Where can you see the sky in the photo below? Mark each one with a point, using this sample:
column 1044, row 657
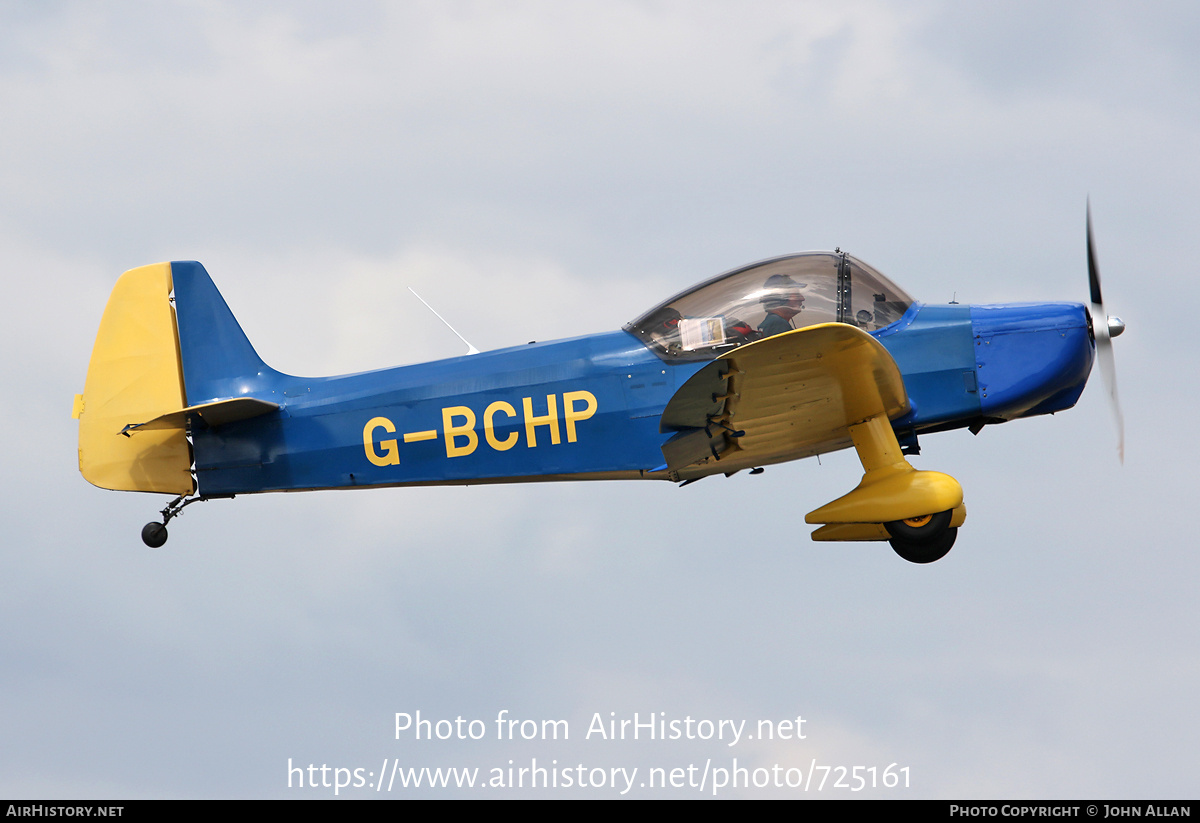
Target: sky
column 538, row 170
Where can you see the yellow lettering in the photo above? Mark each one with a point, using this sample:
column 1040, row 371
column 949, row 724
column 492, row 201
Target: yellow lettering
column 391, row 451
column 489, row 426
column 458, row 427
column 453, row 432
column 571, row 415
column 549, row 419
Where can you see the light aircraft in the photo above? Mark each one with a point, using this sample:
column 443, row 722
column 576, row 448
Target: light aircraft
column 779, row 360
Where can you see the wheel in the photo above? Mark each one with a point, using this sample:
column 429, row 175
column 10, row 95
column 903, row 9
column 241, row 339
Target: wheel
column 919, row 529
column 925, row 551
column 154, row 534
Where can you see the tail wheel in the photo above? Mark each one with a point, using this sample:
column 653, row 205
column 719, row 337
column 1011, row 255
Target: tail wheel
column 154, row 535
column 922, row 539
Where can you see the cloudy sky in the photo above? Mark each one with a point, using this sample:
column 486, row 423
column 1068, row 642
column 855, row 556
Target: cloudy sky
column 540, row 170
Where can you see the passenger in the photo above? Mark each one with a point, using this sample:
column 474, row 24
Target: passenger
column 783, row 301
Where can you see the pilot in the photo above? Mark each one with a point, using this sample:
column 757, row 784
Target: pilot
column 783, row 301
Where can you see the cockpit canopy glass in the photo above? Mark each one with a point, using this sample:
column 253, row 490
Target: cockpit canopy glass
column 769, row 298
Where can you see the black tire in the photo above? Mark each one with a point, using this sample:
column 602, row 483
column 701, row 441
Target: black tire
column 925, row 551
column 154, row 535
column 919, row 529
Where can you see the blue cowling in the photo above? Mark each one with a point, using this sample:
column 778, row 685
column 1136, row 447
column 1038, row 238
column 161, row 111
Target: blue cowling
column 1031, row 358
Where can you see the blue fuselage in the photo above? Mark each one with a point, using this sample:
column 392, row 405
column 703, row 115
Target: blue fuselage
column 590, row 407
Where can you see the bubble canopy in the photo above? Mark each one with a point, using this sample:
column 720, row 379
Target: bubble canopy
column 768, row 298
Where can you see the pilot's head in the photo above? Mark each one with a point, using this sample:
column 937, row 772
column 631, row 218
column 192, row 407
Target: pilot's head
column 783, row 296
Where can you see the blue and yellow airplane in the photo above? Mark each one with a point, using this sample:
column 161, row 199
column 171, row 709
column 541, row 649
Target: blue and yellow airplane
column 786, row 358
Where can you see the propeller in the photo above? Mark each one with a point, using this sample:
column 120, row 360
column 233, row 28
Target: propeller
column 1105, row 328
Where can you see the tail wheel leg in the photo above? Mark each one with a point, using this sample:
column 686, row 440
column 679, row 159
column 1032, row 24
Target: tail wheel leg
column 154, row 534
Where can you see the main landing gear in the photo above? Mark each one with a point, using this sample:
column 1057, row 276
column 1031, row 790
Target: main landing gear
column 922, row 539
column 154, row 535
column 891, row 488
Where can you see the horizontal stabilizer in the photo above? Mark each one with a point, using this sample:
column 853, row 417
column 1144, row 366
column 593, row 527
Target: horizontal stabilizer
column 216, row 413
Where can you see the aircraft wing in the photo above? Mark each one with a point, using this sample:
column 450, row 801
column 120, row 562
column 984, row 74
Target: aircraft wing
column 788, row 396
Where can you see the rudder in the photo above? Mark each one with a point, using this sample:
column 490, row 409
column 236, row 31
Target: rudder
column 135, row 374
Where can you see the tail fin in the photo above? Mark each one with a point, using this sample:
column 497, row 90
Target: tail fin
column 218, row 360
column 154, row 368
